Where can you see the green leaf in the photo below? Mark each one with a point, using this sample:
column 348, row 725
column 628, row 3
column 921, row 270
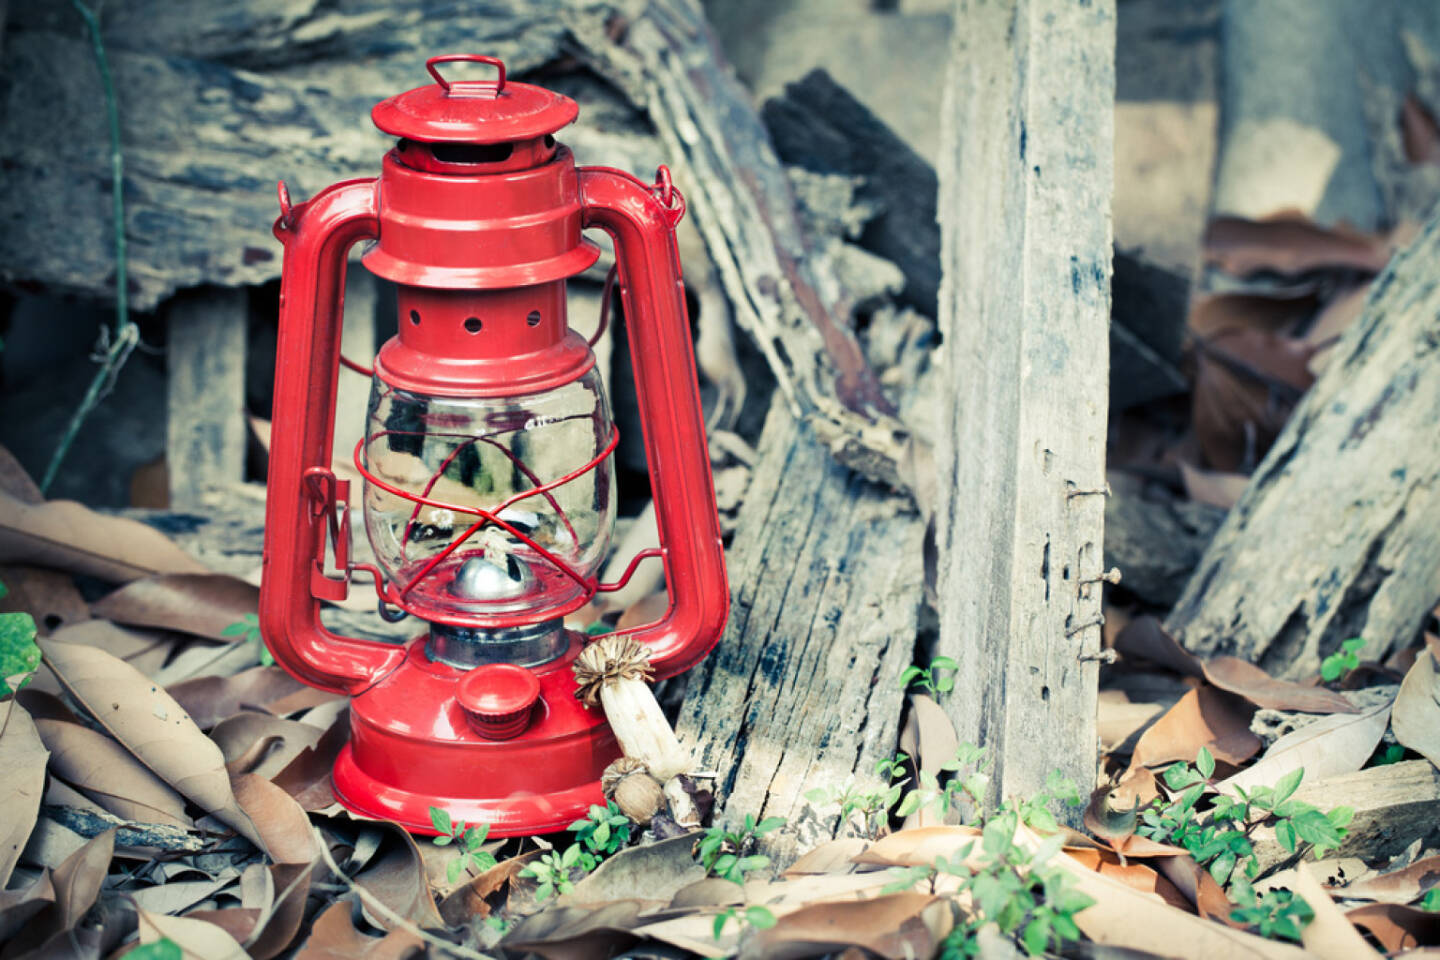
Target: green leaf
column 1431, row 901
column 484, row 861
column 571, row 856
column 1331, row 668
column 1285, row 833
column 1288, row 785
column 818, row 796
column 440, row 820
column 545, row 891
column 944, row 684
column 236, row 629
column 725, row 863
column 754, row 862
column 944, row 663
column 1205, row 763
column 1353, row 645
column 760, row 917
column 162, row 949
column 1036, row 936
column 18, row 652
column 719, row 926
column 768, row 824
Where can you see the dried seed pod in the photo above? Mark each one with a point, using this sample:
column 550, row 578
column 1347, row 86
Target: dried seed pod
column 612, row 671
column 639, row 796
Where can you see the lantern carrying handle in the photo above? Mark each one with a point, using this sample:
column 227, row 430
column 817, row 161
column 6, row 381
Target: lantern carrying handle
column 488, row 89
column 303, row 495
column 641, row 219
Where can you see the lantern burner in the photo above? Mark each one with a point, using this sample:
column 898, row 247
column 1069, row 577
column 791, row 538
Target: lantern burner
column 481, row 579
column 468, row 647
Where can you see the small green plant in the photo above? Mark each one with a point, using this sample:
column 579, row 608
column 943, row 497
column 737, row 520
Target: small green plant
column 1431, row 901
column 936, row 678
column 555, row 871
column 873, row 806
column 1342, row 661
column 604, row 831
column 893, row 768
column 1223, row 844
column 249, row 628
column 754, row 916
column 725, row 853
column 968, row 780
column 1024, row 894
column 1392, row 753
column 501, row 925
column 1276, row 915
column 467, row 838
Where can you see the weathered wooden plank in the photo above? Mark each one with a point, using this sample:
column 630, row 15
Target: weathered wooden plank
column 205, row 357
column 352, row 390
column 803, row 689
column 1024, row 307
column 1334, row 536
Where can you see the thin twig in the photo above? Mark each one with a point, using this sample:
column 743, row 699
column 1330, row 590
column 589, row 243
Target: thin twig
column 374, row 902
column 113, row 349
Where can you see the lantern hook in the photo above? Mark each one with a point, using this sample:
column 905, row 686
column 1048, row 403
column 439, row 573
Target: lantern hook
column 488, row 89
column 286, row 208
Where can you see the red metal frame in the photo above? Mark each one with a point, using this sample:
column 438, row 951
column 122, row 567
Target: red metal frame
column 480, row 251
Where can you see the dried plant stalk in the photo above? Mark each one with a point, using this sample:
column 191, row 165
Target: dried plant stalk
column 612, row 671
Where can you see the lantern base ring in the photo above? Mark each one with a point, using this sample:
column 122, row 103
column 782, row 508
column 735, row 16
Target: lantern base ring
column 525, row 646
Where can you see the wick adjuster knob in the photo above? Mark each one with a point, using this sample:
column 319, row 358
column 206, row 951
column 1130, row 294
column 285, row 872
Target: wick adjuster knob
column 498, row 699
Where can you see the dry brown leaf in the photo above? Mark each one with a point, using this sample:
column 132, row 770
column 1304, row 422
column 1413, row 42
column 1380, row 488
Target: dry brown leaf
column 307, row 777
column 22, row 758
column 1325, row 748
column 935, row 739
column 1144, row 638
column 1416, row 718
column 17, row 907
column 1419, row 132
column 1249, row 373
column 832, row 856
column 1330, row 936
column 919, row 846
column 1215, row 487
column 49, row 596
column 1290, row 243
column 212, row 699
column 1398, row 886
column 15, row 481
column 1341, row 310
column 109, row 775
column 197, row 939
column 261, row 744
column 396, row 876
column 1397, row 926
column 1198, row 887
column 280, row 924
column 334, row 937
column 468, row 902
column 151, row 725
column 1119, row 720
column 1123, row 917
column 1204, row 717
column 76, row 883
column 64, row 535
column 1136, row 876
column 896, row 926
column 145, row 650
column 1249, row 681
column 202, row 604
column 284, row 828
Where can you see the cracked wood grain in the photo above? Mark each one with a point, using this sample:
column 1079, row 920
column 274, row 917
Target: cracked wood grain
column 803, row 689
column 1024, row 314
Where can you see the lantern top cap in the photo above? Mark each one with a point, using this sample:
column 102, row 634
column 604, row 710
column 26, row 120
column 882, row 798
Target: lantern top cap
column 473, row 111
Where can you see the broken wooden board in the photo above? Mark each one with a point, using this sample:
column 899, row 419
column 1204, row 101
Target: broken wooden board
column 804, row 688
column 1024, row 316
column 1334, row 536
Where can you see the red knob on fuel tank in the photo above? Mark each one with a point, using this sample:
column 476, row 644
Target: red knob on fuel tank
column 498, row 699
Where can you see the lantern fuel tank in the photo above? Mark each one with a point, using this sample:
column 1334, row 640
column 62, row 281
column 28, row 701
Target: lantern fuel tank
column 489, row 494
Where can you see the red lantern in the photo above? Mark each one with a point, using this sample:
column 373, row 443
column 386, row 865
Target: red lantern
column 489, row 492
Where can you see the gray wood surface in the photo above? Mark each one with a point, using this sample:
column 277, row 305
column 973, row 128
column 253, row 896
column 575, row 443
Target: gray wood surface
column 1024, row 310
column 803, row 690
column 1335, row 535
column 205, row 358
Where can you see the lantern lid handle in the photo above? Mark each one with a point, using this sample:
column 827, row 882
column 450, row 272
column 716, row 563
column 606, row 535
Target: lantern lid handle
column 488, row 89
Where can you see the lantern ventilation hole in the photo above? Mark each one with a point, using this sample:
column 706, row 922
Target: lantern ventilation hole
column 415, row 317
column 533, row 318
column 472, row 324
column 471, row 152
column 549, row 141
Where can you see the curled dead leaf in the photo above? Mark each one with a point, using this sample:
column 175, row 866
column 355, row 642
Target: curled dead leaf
column 151, row 725
column 203, row 604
